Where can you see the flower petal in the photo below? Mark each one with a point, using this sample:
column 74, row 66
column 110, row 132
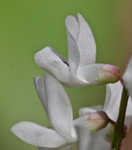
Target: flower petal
column 112, row 100
column 127, row 77
column 92, row 140
column 84, row 138
column 86, row 43
column 128, row 119
column 81, row 43
column 59, row 108
column 86, row 110
column 37, row 135
column 49, row 60
column 98, row 141
column 72, row 28
column 39, row 84
column 89, row 73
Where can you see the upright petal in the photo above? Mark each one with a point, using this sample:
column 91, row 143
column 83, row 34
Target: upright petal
column 127, row 77
column 59, row 109
column 128, row 119
column 92, row 140
column 72, row 28
column 38, row 135
column 49, row 60
column 84, row 138
column 86, row 43
column 112, row 100
column 81, row 43
column 98, row 140
column 39, row 84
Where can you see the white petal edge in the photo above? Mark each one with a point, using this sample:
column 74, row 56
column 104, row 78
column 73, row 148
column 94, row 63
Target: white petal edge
column 127, row 77
column 84, row 138
column 37, row 135
column 72, row 28
column 112, row 100
column 86, row 43
column 39, row 84
column 86, row 110
column 59, row 109
column 49, row 60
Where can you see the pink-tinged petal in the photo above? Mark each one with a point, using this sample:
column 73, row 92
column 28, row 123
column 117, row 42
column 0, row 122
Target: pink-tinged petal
column 108, row 73
column 98, row 74
column 49, row 60
column 59, row 109
column 127, row 77
column 37, row 135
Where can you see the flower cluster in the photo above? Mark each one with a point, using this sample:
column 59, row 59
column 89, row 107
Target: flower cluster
column 94, row 128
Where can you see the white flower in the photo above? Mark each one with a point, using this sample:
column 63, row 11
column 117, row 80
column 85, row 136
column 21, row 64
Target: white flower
column 111, row 109
column 112, row 103
column 81, row 68
column 59, row 111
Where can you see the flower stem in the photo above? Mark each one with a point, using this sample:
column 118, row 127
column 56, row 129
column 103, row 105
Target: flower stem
column 119, row 127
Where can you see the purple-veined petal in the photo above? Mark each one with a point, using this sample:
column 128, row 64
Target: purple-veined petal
column 39, row 84
column 49, row 60
column 59, row 109
column 127, row 77
column 37, row 135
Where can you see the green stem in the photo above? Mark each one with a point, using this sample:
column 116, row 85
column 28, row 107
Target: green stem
column 119, row 127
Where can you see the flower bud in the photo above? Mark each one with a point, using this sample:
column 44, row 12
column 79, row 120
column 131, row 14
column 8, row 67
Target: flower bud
column 108, row 74
column 97, row 120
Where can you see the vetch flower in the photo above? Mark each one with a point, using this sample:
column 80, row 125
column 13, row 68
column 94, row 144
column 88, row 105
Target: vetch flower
column 112, row 103
column 59, row 111
column 111, row 109
column 81, row 68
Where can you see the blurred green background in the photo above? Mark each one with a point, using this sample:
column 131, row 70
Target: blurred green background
column 29, row 25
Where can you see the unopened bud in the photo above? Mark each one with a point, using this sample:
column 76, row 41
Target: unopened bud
column 108, row 74
column 97, row 120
